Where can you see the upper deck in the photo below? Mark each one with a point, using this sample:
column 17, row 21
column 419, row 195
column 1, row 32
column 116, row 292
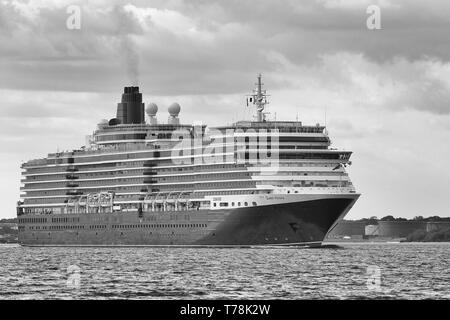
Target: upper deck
column 281, row 126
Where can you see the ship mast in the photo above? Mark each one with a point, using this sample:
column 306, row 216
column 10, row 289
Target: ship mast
column 259, row 99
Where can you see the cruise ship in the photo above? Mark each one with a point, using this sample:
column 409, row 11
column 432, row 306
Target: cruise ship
column 141, row 182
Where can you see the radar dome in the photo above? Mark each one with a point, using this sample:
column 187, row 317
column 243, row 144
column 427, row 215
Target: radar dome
column 151, row 109
column 174, row 109
column 102, row 123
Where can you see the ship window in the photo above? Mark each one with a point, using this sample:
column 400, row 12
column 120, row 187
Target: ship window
column 232, row 204
column 239, row 204
column 246, row 203
column 215, row 204
column 254, row 203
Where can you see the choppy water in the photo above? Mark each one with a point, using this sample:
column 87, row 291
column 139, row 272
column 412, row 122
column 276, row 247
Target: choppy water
column 382, row 271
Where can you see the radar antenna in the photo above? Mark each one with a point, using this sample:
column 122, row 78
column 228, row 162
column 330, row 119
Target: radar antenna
column 259, row 99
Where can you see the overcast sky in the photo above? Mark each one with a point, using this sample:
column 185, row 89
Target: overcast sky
column 386, row 93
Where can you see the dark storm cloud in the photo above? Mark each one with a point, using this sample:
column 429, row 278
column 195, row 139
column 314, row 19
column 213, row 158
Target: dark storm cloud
column 409, row 28
column 211, row 47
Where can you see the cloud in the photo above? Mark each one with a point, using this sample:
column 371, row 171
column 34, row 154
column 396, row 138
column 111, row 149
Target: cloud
column 167, row 45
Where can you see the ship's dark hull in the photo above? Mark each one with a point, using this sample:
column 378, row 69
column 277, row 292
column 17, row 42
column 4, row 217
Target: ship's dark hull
column 304, row 222
column 296, row 223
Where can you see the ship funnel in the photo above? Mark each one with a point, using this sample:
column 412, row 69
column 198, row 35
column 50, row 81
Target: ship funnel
column 131, row 109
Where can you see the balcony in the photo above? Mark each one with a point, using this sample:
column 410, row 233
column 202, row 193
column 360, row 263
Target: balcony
column 149, row 173
column 149, row 164
column 71, row 185
column 71, row 177
column 71, row 169
column 150, row 181
column 74, row 193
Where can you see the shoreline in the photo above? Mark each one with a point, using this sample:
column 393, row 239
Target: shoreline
column 326, row 244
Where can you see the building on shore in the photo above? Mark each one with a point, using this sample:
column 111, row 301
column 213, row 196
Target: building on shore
column 348, row 228
column 383, row 229
column 437, row 225
column 400, row 229
column 372, row 230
